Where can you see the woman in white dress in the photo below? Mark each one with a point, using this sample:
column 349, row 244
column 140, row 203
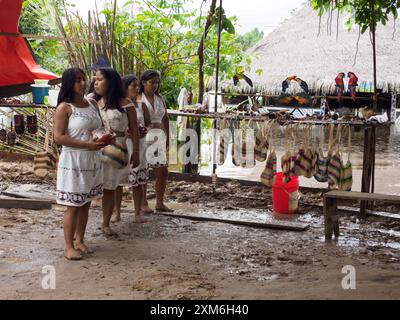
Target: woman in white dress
column 135, row 177
column 80, row 171
column 150, row 96
column 121, row 119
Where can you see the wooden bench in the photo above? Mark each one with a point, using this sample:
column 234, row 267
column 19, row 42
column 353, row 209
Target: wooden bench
column 333, row 198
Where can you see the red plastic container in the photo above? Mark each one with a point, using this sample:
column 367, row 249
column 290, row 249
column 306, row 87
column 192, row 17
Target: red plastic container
column 285, row 197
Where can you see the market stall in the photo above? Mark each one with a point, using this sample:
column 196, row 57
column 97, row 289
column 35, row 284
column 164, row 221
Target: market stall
column 284, row 122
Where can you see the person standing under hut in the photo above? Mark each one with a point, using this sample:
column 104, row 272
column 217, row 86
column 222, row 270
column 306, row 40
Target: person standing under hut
column 150, row 96
column 139, row 176
column 80, row 170
column 121, row 119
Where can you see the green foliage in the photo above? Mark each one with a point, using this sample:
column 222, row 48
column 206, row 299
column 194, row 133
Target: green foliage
column 361, row 10
column 250, row 38
column 36, row 19
column 156, row 34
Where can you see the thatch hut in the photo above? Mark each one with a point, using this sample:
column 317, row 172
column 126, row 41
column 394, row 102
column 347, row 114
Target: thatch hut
column 317, row 49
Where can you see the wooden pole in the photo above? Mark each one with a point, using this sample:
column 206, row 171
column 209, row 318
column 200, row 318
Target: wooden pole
column 373, row 29
column 368, row 162
column 216, row 85
column 90, row 45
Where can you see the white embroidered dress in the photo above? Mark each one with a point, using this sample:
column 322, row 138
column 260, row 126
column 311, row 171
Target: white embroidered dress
column 157, row 112
column 80, row 171
column 118, row 122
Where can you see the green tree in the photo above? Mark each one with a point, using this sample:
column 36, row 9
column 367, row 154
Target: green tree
column 365, row 13
column 36, row 19
column 250, row 38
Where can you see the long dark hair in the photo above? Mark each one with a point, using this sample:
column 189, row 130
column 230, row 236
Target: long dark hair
column 146, row 76
column 115, row 91
column 67, row 85
column 127, row 80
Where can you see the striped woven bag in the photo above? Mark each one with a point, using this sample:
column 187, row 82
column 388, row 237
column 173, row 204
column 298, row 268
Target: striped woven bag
column 223, row 142
column 321, row 174
column 286, row 158
column 346, row 171
column 335, row 163
column 261, row 147
column 247, row 159
column 304, row 157
column 45, row 160
column 268, row 175
column 116, row 153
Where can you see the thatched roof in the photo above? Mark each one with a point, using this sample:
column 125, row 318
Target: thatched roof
column 295, row 48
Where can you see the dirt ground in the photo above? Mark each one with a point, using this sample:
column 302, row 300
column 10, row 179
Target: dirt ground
column 174, row 258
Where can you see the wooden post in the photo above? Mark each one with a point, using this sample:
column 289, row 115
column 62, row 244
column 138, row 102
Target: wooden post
column 331, row 219
column 368, row 162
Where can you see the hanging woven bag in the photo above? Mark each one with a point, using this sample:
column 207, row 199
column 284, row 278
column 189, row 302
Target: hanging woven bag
column 286, row 158
column 247, row 139
column 346, row 172
column 335, row 163
column 321, row 174
column 3, row 132
column 268, row 175
column 45, row 160
column 261, row 147
column 11, row 136
column 236, row 146
column 224, row 142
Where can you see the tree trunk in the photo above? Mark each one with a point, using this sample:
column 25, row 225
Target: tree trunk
column 373, row 31
column 200, row 50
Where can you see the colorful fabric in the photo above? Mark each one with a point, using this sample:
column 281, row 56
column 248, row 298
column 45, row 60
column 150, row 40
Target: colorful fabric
column 262, row 145
column 268, row 175
column 346, row 177
column 321, row 174
column 286, row 167
column 334, row 168
column 223, row 143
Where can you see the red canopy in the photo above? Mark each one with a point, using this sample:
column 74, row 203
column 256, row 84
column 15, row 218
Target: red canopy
column 17, row 65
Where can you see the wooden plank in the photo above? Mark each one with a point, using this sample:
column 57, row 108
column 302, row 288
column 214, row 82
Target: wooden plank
column 30, row 204
column 234, row 116
column 178, row 176
column 282, row 225
column 30, row 195
column 359, row 196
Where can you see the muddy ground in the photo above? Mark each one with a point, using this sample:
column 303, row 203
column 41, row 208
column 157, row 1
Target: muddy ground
column 174, row 258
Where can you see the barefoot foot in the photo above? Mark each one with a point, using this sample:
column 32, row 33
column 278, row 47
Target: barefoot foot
column 72, row 254
column 83, row 248
column 163, row 208
column 116, row 218
column 108, row 231
column 147, row 209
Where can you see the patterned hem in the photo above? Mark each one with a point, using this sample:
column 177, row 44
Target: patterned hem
column 158, row 165
column 138, row 177
column 79, row 199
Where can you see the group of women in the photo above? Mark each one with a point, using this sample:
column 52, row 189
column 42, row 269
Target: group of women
column 129, row 109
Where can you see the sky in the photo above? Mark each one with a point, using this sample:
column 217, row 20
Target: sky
column 263, row 14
